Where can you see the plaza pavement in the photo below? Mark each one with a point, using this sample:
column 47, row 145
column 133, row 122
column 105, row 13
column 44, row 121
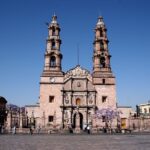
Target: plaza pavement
column 75, row 142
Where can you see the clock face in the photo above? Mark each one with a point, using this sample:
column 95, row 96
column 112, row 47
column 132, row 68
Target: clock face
column 52, row 80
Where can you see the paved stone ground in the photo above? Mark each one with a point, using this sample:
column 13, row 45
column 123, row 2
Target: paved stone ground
column 75, row 142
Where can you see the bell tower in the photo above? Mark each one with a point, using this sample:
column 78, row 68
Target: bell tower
column 52, row 78
column 53, row 56
column 102, row 73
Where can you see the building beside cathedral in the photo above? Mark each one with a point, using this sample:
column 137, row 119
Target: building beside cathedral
column 72, row 97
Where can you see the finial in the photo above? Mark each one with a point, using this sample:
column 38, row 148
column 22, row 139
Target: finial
column 100, row 21
column 54, row 19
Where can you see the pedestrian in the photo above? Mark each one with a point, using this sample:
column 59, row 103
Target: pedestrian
column 39, row 129
column 31, row 131
column 88, row 129
column 14, row 130
column 84, row 127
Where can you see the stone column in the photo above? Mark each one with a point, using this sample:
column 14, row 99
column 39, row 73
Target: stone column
column 62, row 119
column 43, row 118
column 9, row 121
column 54, row 121
column 94, row 128
column 20, row 123
column 69, row 117
column 141, row 124
column 77, row 129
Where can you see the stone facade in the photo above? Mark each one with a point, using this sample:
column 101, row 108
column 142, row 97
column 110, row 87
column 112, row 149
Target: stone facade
column 71, row 99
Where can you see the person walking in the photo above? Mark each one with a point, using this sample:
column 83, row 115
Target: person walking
column 31, row 131
column 14, row 130
column 88, row 129
column 39, row 129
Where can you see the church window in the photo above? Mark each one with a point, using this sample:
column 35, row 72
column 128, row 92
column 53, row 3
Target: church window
column 53, row 61
column 104, row 98
column 103, row 81
column 51, row 99
column 50, row 118
column 145, row 111
column 78, row 101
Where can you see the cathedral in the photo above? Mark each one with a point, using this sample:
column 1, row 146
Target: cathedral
column 71, row 98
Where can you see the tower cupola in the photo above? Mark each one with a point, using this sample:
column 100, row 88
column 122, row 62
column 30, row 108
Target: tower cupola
column 101, row 56
column 53, row 54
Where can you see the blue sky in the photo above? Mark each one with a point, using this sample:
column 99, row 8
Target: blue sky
column 23, row 41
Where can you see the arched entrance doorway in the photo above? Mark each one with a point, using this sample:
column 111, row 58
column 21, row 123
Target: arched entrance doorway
column 80, row 120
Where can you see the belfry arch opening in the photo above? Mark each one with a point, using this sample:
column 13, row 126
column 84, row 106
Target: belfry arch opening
column 102, row 62
column 53, row 61
column 53, row 45
column 53, row 32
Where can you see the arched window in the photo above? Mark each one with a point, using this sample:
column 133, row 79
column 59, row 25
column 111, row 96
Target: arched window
column 53, row 61
column 102, row 62
column 78, row 101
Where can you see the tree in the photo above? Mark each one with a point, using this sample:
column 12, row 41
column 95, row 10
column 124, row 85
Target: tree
column 108, row 115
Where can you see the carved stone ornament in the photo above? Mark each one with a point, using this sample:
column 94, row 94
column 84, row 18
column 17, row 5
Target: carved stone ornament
column 66, row 99
column 90, row 97
column 77, row 72
column 90, row 101
column 78, row 84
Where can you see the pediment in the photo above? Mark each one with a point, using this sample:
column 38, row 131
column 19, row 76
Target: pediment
column 78, row 72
